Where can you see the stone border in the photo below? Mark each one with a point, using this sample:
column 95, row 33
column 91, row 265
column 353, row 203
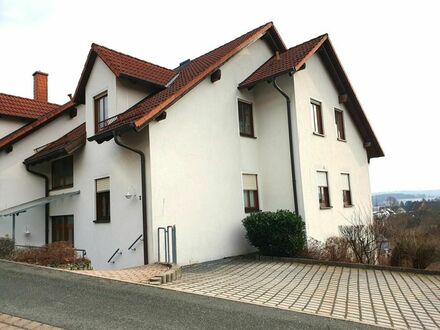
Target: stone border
column 346, row 264
column 174, row 273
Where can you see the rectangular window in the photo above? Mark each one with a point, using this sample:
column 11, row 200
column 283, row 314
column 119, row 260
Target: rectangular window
column 246, row 119
column 250, row 193
column 62, row 173
column 62, row 228
column 103, row 200
column 324, row 196
column 101, row 110
column 339, row 120
column 346, row 191
column 318, row 126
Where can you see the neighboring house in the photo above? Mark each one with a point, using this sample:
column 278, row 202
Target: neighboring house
column 16, row 111
column 249, row 126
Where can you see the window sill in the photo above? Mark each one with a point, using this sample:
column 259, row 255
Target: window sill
column 342, row 140
column 248, row 211
column 248, row 136
column 318, row 134
column 101, row 221
column 61, row 188
column 348, row 206
column 325, row 207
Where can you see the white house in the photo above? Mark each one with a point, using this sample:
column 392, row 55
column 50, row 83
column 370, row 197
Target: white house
column 249, row 126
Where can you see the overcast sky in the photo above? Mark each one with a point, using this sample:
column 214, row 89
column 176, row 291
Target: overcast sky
column 389, row 49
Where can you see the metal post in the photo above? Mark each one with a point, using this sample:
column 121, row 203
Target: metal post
column 13, row 227
column 174, row 246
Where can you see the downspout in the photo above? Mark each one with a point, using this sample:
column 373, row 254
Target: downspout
column 144, row 194
column 292, row 158
column 46, row 192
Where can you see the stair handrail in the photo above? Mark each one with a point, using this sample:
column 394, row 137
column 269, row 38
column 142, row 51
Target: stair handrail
column 113, row 255
column 137, row 240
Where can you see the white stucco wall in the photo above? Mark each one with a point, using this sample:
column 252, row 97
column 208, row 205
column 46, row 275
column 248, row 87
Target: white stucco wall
column 327, row 153
column 121, row 95
column 18, row 186
column 197, row 157
column 9, row 125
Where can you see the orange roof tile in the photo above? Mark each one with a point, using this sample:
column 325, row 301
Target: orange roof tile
column 21, row 107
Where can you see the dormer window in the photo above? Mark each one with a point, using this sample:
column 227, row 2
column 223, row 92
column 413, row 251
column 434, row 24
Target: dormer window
column 101, row 111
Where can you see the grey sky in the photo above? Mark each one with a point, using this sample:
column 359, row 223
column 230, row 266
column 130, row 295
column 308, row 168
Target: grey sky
column 389, row 50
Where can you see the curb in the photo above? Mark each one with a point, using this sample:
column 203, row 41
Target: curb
column 174, row 273
column 347, row 264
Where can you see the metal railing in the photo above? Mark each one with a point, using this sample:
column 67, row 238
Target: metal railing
column 107, row 122
column 80, row 252
column 140, row 238
column 169, row 244
column 117, row 252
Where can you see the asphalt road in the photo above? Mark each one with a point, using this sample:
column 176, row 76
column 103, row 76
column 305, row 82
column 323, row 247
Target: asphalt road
column 74, row 301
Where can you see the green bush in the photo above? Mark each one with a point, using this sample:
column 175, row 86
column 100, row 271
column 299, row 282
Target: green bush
column 281, row 233
column 7, row 247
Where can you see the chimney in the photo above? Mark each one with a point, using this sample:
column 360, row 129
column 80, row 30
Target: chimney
column 40, row 86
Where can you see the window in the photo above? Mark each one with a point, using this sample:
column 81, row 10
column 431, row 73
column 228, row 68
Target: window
column 346, row 191
column 324, row 197
column 62, row 173
column 318, row 126
column 246, row 119
column 250, row 193
column 62, row 228
column 339, row 120
column 103, row 200
column 101, row 110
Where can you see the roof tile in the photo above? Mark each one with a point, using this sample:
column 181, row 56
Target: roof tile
column 21, row 107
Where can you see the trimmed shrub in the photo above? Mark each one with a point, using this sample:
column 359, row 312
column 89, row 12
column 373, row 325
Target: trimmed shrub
column 58, row 254
column 280, row 233
column 7, row 247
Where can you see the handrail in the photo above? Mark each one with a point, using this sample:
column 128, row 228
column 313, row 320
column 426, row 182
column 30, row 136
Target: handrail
column 113, row 255
column 137, row 240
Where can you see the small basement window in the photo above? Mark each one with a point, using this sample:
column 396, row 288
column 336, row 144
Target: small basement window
column 103, row 200
column 62, row 173
column 323, row 190
column 246, row 120
column 250, row 193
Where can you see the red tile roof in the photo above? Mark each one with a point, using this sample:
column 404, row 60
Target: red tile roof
column 189, row 76
column 17, row 135
column 123, row 65
column 21, row 107
column 292, row 58
column 65, row 145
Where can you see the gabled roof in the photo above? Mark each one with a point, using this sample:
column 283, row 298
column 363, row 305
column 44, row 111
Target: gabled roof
column 123, row 66
column 63, row 146
column 294, row 58
column 19, row 134
column 189, row 76
column 285, row 62
column 23, row 108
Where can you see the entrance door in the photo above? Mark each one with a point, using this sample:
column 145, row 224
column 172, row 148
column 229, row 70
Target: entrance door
column 62, row 228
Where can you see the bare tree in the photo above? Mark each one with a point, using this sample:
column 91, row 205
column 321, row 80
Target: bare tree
column 364, row 236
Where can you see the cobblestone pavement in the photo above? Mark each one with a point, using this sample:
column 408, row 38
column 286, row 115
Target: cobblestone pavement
column 139, row 275
column 382, row 298
column 11, row 322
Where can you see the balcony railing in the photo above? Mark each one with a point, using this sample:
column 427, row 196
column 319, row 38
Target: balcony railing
column 107, row 122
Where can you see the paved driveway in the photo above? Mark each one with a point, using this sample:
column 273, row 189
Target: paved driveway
column 382, row 298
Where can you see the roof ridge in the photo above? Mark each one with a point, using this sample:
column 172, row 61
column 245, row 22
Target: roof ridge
column 302, row 43
column 28, row 99
column 133, row 57
column 231, row 41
